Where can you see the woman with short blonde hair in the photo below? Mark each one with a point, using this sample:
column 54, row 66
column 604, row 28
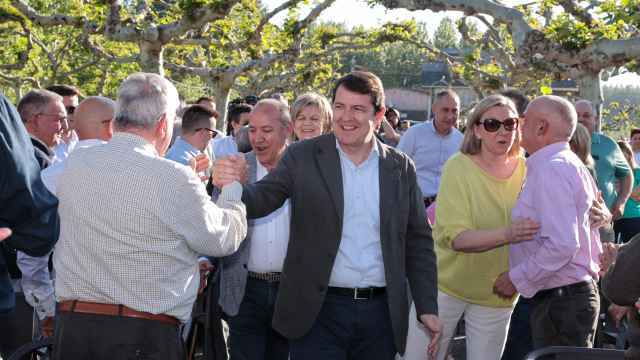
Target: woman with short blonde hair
column 311, row 115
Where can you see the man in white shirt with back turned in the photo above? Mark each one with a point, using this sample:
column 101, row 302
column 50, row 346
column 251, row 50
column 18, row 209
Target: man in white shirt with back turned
column 132, row 227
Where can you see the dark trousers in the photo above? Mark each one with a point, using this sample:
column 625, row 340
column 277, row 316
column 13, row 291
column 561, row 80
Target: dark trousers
column 519, row 342
column 627, row 228
column 251, row 336
column 16, row 327
column 569, row 319
column 102, row 337
column 348, row 329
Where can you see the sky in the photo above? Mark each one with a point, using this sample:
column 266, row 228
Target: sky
column 357, row 12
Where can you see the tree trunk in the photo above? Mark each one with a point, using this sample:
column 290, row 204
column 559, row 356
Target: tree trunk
column 221, row 89
column 590, row 85
column 151, row 57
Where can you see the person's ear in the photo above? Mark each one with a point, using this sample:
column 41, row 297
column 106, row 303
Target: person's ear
column 379, row 115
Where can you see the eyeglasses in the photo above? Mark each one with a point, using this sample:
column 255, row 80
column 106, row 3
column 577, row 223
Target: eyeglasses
column 212, row 132
column 70, row 109
column 493, row 125
column 60, row 118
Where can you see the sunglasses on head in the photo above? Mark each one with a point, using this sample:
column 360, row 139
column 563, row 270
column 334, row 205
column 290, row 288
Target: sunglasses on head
column 493, row 125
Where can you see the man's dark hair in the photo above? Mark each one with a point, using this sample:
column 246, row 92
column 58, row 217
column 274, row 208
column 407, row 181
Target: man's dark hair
column 518, row 98
column 363, row 82
column 196, row 116
column 234, row 114
column 251, row 99
column 64, row 90
column 633, row 132
column 447, row 92
column 205, row 98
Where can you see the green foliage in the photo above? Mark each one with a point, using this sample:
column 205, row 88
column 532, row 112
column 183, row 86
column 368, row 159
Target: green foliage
column 572, row 34
column 446, row 35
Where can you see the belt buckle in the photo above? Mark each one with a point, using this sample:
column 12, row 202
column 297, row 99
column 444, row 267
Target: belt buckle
column 357, row 297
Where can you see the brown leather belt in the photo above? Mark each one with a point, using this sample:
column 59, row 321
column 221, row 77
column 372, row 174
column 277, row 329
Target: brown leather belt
column 85, row 307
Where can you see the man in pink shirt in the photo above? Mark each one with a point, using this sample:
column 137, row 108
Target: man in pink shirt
column 558, row 270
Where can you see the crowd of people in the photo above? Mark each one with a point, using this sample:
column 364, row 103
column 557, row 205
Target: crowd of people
column 310, row 222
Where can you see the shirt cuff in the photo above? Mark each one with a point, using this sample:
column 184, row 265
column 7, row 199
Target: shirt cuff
column 231, row 192
column 519, row 279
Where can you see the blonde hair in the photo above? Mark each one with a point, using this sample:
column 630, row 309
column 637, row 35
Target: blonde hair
column 581, row 145
column 471, row 145
column 317, row 100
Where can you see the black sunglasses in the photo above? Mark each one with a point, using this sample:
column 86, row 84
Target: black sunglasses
column 70, row 109
column 493, row 125
column 211, row 132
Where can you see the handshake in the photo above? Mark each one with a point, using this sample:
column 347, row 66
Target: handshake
column 229, row 169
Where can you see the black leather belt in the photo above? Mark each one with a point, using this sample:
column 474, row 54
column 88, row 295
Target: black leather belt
column 358, row 293
column 429, row 200
column 269, row 277
column 567, row 290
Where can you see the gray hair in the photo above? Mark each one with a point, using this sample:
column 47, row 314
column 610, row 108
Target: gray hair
column 34, row 103
column 565, row 111
column 282, row 108
column 587, row 102
column 142, row 100
column 317, row 100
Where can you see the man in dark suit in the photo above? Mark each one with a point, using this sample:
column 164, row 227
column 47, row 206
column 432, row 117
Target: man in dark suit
column 358, row 233
column 29, row 210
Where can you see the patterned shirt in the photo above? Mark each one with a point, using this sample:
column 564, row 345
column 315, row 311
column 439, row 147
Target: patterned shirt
column 133, row 225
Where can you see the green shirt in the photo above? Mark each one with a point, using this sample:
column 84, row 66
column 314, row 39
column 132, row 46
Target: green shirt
column 632, row 208
column 471, row 199
column 610, row 164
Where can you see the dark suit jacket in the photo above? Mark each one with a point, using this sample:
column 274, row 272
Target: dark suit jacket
column 26, row 206
column 309, row 173
column 621, row 285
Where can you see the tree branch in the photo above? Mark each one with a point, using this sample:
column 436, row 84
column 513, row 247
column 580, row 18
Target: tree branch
column 573, row 8
column 53, row 20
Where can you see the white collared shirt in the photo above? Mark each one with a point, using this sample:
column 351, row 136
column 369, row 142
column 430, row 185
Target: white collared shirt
column 269, row 236
column 359, row 260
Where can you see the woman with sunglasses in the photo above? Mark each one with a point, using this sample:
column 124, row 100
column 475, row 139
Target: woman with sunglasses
column 479, row 187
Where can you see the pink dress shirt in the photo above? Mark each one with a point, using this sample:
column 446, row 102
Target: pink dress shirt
column 558, row 193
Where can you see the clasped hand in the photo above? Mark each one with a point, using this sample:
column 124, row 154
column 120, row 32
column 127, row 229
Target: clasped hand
column 229, row 169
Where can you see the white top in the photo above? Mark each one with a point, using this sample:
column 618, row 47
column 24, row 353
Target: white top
column 62, row 150
column 637, row 157
column 269, row 236
column 133, row 225
column 359, row 262
column 429, row 151
column 50, row 174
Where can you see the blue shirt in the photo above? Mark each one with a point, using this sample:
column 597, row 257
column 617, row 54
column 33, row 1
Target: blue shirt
column 26, row 207
column 359, row 262
column 429, row 151
column 182, row 152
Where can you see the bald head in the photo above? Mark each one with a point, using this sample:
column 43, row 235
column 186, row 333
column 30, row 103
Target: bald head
column 548, row 119
column 586, row 114
column 94, row 117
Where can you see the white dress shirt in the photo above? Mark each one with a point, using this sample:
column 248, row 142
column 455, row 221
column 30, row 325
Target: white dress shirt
column 359, row 262
column 132, row 225
column 269, row 236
